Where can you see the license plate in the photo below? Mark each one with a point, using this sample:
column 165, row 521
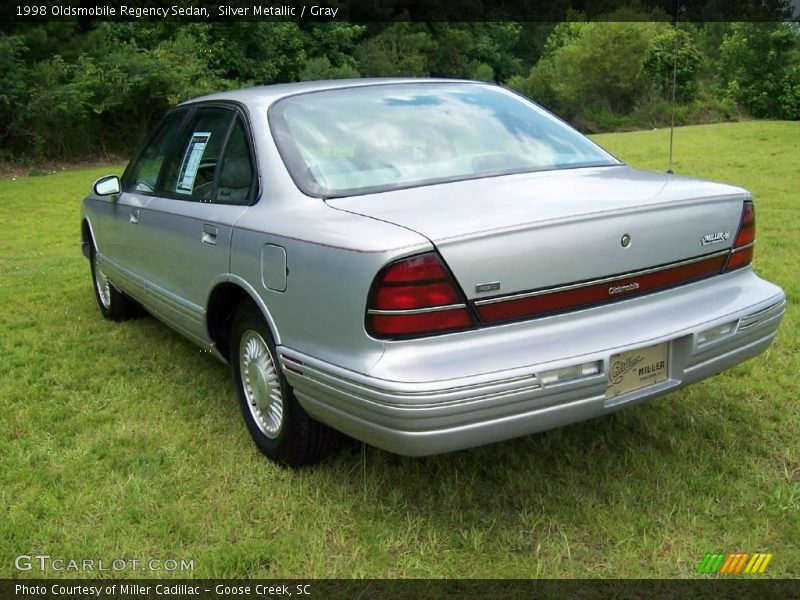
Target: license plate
column 635, row 369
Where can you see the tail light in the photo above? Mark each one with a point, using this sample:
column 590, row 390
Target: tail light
column 742, row 251
column 416, row 296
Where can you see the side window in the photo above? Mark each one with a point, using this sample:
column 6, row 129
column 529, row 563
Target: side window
column 190, row 170
column 142, row 176
column 236, row 172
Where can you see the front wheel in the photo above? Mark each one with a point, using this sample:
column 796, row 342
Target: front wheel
column 279, row 426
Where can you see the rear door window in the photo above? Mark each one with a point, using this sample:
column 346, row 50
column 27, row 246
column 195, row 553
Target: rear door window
column 236, row 172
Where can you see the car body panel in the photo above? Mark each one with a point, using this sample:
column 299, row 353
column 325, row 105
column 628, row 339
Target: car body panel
column 115, row 227
column 321, row 256
column 187, row 245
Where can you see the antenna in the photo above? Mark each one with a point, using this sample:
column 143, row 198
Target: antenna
column 674, row 85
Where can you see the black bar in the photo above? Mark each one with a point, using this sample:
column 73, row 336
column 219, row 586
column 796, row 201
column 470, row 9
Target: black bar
column 364, row 589
column 392, row 10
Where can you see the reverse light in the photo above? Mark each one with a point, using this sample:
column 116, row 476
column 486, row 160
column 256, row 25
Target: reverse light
column 709, row 335
column 742, row 251
column 416, row 296
column 570, row 373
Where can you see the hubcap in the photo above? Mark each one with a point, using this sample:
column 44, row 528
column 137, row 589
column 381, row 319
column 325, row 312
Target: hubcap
column 260, row 383
column 102, row 284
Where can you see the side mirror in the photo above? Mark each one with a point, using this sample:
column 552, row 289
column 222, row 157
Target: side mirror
column 107, row 186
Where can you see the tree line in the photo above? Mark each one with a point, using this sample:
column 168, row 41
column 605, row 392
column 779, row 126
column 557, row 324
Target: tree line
column 72, row 90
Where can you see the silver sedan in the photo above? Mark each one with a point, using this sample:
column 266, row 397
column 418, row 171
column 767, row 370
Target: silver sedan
column 424, row 265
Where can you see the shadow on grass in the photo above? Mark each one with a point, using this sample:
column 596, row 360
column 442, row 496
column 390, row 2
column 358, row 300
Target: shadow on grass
column 671, row 455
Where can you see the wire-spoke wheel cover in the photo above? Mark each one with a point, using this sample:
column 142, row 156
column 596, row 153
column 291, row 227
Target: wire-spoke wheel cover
column 260, row 383
column 102, row 283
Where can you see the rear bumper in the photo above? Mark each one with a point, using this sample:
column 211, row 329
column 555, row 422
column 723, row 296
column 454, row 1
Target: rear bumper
column 448, row 393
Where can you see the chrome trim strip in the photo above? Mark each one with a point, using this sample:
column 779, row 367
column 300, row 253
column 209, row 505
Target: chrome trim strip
column 415, row 311
column 755, row 318
column 412, row 391
column 124, row 279
column 320, row 373
column 745, row 247
column 575, row 286
column 723, row 351
column 172, row 312
column 385, row 400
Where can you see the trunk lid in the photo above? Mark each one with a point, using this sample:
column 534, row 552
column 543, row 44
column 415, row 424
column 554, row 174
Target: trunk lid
column 540, row 230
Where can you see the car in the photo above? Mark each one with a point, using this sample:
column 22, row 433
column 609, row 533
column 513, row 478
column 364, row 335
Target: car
column 425, row 265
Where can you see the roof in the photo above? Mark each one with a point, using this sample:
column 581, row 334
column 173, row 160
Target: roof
column 266, row 94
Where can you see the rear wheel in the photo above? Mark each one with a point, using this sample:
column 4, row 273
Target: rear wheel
column 114, row 304
column 279, row 426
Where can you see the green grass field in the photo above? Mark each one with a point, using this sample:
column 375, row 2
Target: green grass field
column 125, row 441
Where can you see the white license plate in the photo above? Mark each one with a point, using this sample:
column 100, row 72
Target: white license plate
column 635, row 369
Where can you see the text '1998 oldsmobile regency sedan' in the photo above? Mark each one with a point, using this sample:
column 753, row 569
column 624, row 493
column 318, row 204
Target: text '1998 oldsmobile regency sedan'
column 424, row 265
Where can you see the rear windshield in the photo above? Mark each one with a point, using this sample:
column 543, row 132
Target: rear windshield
column 360, row 140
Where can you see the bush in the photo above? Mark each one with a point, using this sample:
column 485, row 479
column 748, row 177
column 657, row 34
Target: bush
column 481, row 72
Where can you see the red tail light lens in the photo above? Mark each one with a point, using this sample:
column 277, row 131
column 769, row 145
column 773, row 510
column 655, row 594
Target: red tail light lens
column 415, row 269
column 742, row 251
column 394, row 326
column 405, row 297
column 747, row 226
column 416, row 296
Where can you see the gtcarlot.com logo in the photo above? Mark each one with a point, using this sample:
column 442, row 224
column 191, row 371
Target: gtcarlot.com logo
column 45, row 562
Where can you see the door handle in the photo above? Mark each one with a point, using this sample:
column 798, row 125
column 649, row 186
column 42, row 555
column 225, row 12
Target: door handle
column 134, row 216
column 209, row 234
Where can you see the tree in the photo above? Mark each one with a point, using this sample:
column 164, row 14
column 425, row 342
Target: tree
column 594, row 67
column 760, row 68
column 14, row 83
column 333, row 41
column 661, row 63
column 256, row 53
column 399, row 50
column 494, row 44
column 449, row 56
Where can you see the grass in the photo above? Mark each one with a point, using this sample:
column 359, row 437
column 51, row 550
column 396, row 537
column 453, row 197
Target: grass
column 125, row 441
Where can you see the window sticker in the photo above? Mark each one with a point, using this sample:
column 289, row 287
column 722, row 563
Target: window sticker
column 191, row 161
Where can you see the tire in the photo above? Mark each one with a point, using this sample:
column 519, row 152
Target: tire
column 113, row 304
column 279, row 426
